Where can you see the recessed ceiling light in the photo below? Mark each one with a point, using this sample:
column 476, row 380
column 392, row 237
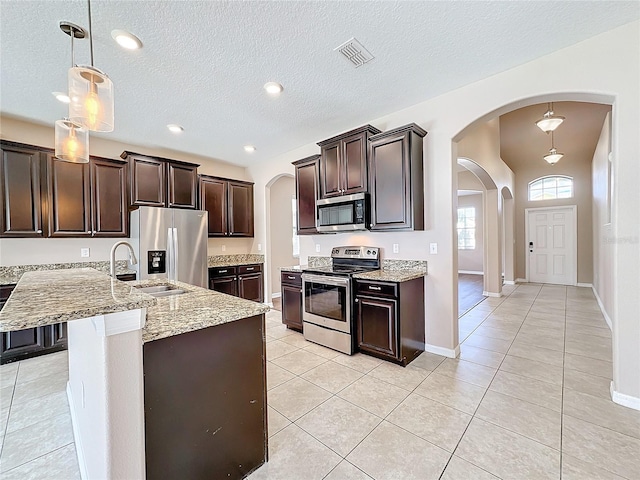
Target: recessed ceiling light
column 249, row 148
column 126, row 40
column 273, row 88
column 175, row 128
column 61, row 97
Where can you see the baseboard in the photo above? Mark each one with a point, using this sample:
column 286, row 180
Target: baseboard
column 471, row 272
column 587, row 285
column 276, row 295
column 76, row 436
column 601, row 305
column 445, row 352
column 509, row 282
column 522, row 280
column 492, row 294
column 624, row 400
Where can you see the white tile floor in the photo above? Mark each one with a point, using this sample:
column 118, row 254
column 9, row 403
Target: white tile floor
column 528, row 399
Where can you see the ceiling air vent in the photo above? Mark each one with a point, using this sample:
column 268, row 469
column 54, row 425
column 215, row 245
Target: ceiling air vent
column 355, row 52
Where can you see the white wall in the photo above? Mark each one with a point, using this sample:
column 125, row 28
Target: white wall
column 21, row 251
column 281, row 229
column 602, row 69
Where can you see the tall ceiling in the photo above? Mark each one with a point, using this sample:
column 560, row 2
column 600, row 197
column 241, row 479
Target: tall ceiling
column 204, row 63
column 523, row 144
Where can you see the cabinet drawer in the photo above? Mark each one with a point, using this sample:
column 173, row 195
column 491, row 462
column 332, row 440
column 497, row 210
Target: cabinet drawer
column 249, row 268
column 5, row 292
column 291, row 278
column 222, row 271
column 377, row 289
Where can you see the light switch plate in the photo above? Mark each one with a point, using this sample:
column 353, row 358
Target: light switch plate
column 84, row 252
column 396, row 248
column 317, row 248
column 433, row 248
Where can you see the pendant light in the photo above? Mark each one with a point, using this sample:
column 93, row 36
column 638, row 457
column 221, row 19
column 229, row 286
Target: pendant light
column 549, row 121
column 71, row 138
column 553, row 156
column 91, row 93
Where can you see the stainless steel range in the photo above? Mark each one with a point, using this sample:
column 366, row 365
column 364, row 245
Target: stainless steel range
column 328, row 300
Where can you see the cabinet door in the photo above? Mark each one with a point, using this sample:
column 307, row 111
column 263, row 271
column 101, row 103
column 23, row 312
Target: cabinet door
column 354, row 164
column 306, row 195
column 390, row 184
column 69, row 199
column 292, row 306
column 213, row 199
column 330, row 170
column 377, row 326
column 22, row 342
column 240, row 208
column 109, row 198
column 20, row 197
column 57, row 335
column 250, row 287
column 183, row 181
column 148, row 183
column 228, row 285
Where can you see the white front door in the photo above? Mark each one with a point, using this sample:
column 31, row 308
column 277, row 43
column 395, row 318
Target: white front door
column 551, row 245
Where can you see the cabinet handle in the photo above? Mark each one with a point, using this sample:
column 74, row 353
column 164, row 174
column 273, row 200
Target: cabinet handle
column 356, row 300
column 371, row 287
column 250, row 269
column 38, row 231
column 222, row 271
column 291, row 278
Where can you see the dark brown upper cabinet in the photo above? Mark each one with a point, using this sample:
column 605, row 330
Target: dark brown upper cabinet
column 343, row 162
column 161, row 182
column 229, row 204
column 396, row 179
column 307, row 194
column 21, row 191
column 69, row 206
column 109, row 216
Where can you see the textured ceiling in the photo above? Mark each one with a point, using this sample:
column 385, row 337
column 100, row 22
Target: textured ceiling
column 523, row 144
column 204, row 62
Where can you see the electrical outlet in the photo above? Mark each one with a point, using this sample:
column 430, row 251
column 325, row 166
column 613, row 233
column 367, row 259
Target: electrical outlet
column 84, row 252
column 317, row 248
column 396, row 248
column 223, row 248
column 259, row 247
column 433, row 248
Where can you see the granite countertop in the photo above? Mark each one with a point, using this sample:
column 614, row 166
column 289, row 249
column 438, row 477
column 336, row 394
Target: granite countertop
column 391, row 275
column 196, row 309
column 234, row 260
column 53, row 296
column 293, row 268
column 11, row 275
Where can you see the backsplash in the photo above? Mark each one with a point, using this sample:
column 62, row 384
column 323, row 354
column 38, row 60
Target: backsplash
column 403, row 265
column 319, row 261
column 234, row 259
column 12, row 274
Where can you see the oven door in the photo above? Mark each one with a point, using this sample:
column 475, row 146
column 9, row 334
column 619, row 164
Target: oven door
column 326, row 301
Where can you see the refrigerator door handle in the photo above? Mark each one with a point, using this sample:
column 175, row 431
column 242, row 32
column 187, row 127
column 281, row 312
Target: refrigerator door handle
column 170, row 253
column 175, row 253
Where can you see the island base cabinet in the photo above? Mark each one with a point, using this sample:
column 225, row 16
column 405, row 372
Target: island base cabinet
column 205, row 402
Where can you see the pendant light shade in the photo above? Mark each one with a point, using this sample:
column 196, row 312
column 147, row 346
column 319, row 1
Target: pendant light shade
column 553, row 156
column 72, row 142
column 91, row 94
column 549, row 121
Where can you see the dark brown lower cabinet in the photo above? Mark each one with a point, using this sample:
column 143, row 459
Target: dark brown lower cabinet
column 390, row 319
column 205, row 402
column 291, row 295
column 244, row 281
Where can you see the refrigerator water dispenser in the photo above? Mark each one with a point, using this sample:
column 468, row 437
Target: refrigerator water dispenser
column 156, row 261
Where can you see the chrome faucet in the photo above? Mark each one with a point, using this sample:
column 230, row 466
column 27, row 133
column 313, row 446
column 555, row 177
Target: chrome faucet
column 132, row 256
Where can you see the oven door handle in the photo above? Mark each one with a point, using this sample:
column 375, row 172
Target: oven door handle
column 326, row 279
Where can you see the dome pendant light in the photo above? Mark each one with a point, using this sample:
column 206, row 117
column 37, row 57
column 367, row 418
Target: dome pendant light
column 549, row 121
column 71, row 138
column 91, row 94
column 553, row 156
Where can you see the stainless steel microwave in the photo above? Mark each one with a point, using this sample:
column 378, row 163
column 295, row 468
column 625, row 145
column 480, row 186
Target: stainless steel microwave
column 346, row 213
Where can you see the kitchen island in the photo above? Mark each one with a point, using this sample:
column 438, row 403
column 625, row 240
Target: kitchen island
column 169, row 387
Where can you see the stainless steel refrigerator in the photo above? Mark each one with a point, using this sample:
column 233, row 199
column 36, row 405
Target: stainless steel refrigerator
column 171, row 244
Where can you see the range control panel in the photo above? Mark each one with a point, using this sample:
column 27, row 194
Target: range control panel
column 369, row 253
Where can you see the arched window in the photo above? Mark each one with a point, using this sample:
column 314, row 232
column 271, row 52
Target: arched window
column 550, row 188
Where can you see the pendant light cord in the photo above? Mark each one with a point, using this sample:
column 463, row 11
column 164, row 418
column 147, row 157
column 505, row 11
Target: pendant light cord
column 90, row 33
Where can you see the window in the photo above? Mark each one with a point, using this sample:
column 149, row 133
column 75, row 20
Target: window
column 295, row 239
column 550, row 188
column 467, row 228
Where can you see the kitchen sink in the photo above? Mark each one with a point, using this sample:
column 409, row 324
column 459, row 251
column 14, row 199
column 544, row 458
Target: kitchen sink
column 160, row 290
